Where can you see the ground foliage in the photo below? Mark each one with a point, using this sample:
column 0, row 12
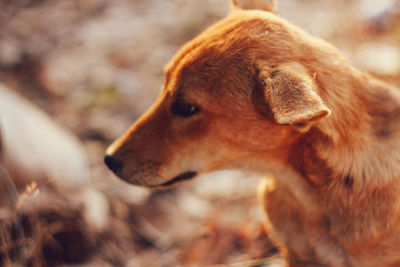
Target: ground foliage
column 95, row 66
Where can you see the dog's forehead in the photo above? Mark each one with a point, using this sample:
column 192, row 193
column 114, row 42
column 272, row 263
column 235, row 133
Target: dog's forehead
column 208, row 53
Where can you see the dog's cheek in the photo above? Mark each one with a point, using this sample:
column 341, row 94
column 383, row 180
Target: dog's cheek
column 185, row 145
column 196, row 129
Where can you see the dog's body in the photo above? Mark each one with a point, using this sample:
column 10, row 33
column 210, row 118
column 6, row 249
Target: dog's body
column 254, row 92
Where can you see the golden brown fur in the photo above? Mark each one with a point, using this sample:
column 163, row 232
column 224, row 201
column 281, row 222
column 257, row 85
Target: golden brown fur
column 262, row 95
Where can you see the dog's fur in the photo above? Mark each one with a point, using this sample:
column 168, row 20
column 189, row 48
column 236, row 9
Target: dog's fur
column 262, row 95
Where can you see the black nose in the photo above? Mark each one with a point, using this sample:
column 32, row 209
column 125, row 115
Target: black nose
column 113, row 163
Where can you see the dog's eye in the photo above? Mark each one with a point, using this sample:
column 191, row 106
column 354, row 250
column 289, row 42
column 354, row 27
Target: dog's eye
column 184, row 109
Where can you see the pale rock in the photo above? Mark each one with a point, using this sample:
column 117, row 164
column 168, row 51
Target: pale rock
column 372, row 8
column 193, row 205
column 10, row 52
column 34, row 148
column 96, row 208
column 227, row 185
column 378, row 58
column 133, row 195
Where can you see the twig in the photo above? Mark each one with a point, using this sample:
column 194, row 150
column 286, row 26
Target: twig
column 30, row 190
column 12, row 192
column 4, row 239
column 16, row 201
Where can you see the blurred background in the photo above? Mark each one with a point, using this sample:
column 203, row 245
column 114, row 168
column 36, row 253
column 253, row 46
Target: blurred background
column 75, row 74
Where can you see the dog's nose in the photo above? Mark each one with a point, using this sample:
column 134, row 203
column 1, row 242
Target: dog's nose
column 113, row 163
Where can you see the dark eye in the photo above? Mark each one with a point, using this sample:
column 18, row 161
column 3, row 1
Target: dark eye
column 184, row 109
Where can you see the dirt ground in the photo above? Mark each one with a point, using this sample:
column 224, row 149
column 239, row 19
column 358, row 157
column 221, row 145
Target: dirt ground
column 95, row 66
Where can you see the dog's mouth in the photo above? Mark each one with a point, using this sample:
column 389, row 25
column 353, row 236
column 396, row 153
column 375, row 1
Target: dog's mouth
column 180, row 178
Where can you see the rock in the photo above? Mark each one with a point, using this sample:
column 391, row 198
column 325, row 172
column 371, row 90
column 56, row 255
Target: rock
column 96, row 209
column 379, row 58
column 10, row 52
column 34, row 148
column 226, row 185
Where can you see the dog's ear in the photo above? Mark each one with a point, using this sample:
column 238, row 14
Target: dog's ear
column 266, row 5
column 291, row 93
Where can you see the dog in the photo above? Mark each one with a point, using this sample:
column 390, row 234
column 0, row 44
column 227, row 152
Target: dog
column 255, row 93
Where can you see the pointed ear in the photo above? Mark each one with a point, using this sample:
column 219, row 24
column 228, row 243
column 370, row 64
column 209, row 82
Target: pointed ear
column 266, row 5
column 292, row 95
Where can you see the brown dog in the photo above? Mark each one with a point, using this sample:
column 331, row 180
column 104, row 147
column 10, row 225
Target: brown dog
column 253, row 92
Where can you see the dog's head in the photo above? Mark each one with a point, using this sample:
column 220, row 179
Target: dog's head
column 234, row 96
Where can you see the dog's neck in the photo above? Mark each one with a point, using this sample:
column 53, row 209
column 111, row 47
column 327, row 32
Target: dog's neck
column 360, row 141
column 353, row 155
